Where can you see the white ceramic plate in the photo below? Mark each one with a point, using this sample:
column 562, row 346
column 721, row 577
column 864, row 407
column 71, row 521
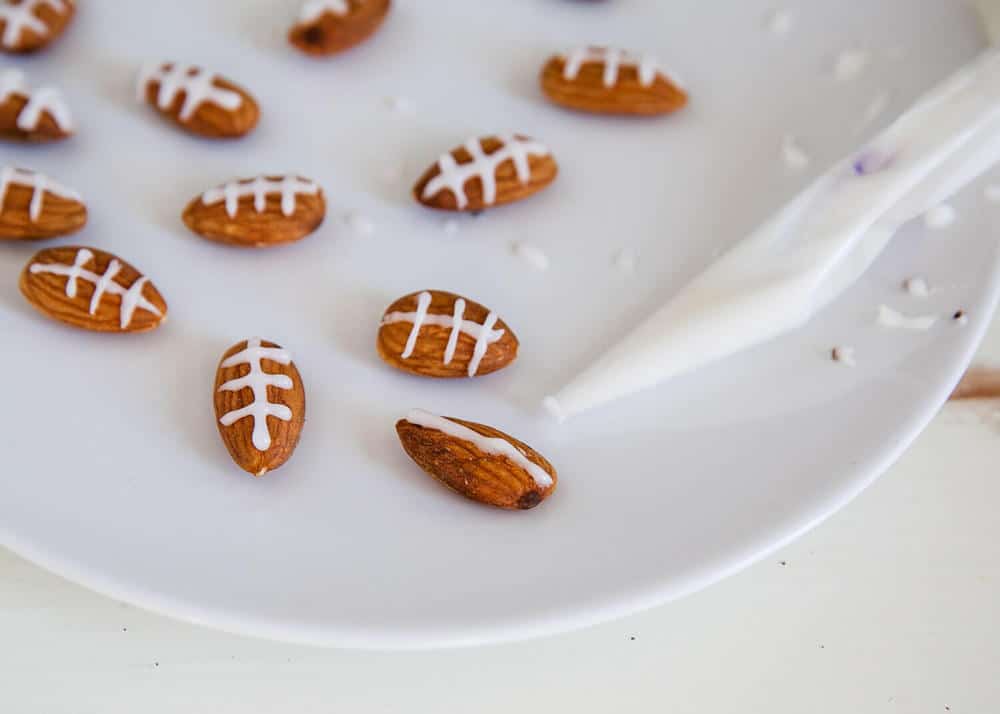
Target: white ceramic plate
column 114, row 474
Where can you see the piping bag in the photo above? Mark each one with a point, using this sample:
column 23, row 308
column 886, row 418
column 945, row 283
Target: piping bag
column 814, row 248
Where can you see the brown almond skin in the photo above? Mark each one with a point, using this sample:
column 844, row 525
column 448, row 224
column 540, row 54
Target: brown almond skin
column 210, row 120
column 46, row 130
column 509, row 189
column 627, row 97
column 427, row 359
column 462, row 467
column 47, row 293
column 29, row 41
column 250, row 229
column 238, row 437
column 60, row 216
column 330, row 34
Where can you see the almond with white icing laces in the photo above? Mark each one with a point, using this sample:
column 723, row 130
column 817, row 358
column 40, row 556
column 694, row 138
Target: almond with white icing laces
column 439, row 334
column 606, row 80
column 326, row 27
column 31, row 114
column 260, row 404
column 33, row 206
column 487, row 172
column 30, row 25
column 93, row 290
column 198, row 101
column 477, row 461
column 258, row 212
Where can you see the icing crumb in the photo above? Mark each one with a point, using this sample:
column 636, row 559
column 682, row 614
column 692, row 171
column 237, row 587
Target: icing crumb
column 450, row 227
column 531, row 255
column 399, row 105
column 849, row 64
column 887, row 317
column 779, row 22
column 793, row 154
column 625, row 260
column 992, row 193
column 843, row 355
column 359, row 223
column 875, row 109
column 960, row 318
column 917, row 287
column 940, row 216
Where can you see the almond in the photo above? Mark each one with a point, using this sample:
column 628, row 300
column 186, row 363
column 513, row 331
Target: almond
column 487, row 172
column 260, row 405
column 478, row 461
column 610, row 81
column 437, row 334
column 30, row 25
column 198, row 101
column 326, row 27
column 258, row 212
column 34, row 206
column 31, row 114
column 93, row 290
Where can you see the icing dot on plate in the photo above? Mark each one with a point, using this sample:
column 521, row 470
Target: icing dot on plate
column 359, row 223
column 917, row 287
column 779, row 22
column 941, row 216
column 793, row 154
column 626, row 259
column 850, row 64
column 843, row 355
column 532, row 255
column 887, row 317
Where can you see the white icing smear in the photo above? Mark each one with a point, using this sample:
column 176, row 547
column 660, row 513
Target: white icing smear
column 288, row 187
column 453, row 175
column 813, row 249
column 793, row 155
column 104, row 284
column 489, row 445
column 940, row 216
column 532, row 255
column 313, row 10
column 612, row 60
column 484, row 334
column 887, row 317
column 197, row 85
column 258, row 381
column 39, row 185
column 19, row 18
column 40, row 101
column 875, row 109
column 850, row 64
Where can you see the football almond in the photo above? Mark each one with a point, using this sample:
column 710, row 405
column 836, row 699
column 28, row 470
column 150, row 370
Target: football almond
column 487, row 172
column 198, row 101
column 93, row 290
column 326, row 27
column 260, row 405
column 29, row 25
column 477, row 461
column 33, row 206
column 258, row 212
column 610, row 81
column 34, row 115
column 438, row 334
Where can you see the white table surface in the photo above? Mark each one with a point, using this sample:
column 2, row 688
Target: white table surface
column 890, row 606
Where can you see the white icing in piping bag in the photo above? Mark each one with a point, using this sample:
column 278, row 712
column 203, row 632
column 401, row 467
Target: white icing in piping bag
column 814, row 248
